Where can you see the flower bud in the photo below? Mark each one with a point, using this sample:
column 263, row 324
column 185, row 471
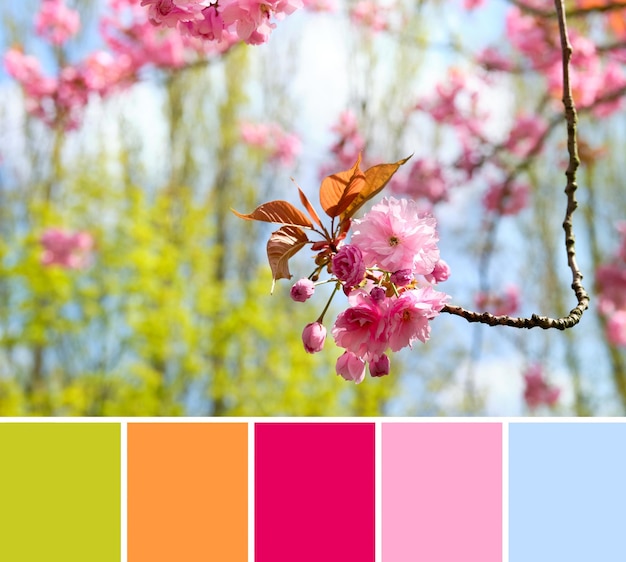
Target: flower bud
column 379, row 367
column 313, row 337
column 351, row 367
column 402, row 277
column 440, row 273
column 378, row 294
column 302, row 290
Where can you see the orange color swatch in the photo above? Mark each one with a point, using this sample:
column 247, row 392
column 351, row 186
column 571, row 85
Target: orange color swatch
column 187, row 492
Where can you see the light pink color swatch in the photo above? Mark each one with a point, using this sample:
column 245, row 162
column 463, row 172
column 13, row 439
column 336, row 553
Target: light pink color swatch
column 441, row 492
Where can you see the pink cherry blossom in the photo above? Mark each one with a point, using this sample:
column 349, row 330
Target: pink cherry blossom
column 302, row 290
column 348, row 266
column 313, row 337
column 410, row 313
column 56, row 22
column 537, row 390
column 351, row 367
column 362, row 328
column 70, row 250
column 394, row 235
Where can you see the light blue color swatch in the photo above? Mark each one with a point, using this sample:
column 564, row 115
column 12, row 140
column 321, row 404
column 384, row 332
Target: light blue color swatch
column 567, row 492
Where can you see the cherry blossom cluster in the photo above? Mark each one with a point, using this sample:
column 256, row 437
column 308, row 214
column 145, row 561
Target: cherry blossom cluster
column 611, row 281
column 55, row 22
column 537, row 390
column 251, row 21
column 132, row 41
column 282, row 147
column 460, row 103
column 387, row 271
column 66, row 249
column 536, row 41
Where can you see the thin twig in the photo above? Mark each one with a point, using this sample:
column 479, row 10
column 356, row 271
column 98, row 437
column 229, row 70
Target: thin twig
column 537, row 321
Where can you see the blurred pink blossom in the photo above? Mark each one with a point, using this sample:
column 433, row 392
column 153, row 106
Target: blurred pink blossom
column 537, row 390
column 525, row 134
column 320, row 5
column 616, row 328
column 370, row 14
column 56, row 22
column 473, row 4
column 425, row 180
column 70, row 250
column 283, row 147
column 504, row 304
column 506, row 200
column 349, row 143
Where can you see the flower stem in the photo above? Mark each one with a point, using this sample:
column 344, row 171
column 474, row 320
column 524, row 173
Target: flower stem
column 321, row 318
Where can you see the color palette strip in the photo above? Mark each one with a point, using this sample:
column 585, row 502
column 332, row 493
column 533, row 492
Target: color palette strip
column 341, row 490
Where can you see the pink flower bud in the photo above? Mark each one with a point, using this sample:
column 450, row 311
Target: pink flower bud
column 302, row 290
column 440, row 273
column 348, row 265
column 351, row 367
column 378, row 294
column 402, row 277
column 380, row 367
column 313, row 337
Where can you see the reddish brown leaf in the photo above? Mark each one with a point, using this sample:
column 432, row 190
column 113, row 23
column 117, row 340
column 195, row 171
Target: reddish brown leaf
column 338, row 191
column 309, row 208
column 282, row 245
column 280, row 212
column 376, row 178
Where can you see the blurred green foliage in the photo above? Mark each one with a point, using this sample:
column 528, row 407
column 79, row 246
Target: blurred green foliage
column 173, row 316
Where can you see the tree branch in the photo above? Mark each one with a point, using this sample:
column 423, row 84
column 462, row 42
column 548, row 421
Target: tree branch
column 582, row 297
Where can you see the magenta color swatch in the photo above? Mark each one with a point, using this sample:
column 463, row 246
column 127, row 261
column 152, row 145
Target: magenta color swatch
column 441, row 492
column 314, row 492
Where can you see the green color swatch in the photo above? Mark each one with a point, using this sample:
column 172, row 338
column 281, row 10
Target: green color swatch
column 60, row 492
